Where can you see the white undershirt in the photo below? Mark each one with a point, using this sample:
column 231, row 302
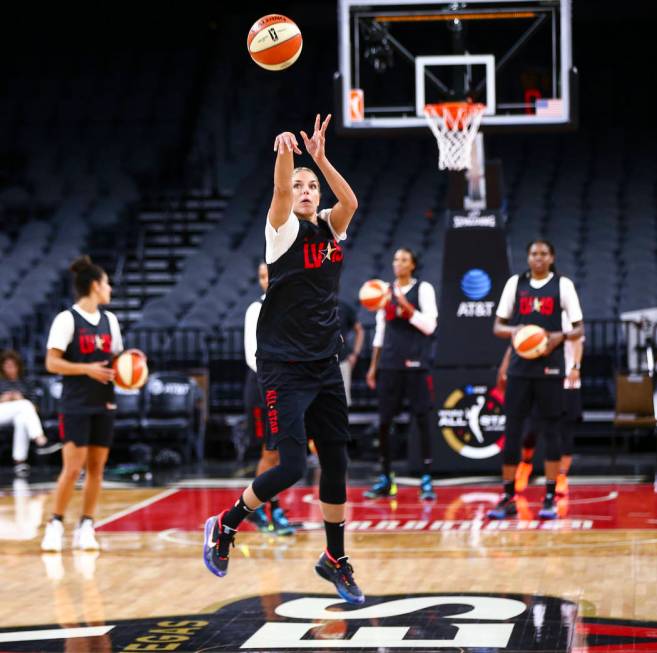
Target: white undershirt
column 569, row 299
column 278, row 241
column 63, row 328
column 424, row 319
column 250, row 325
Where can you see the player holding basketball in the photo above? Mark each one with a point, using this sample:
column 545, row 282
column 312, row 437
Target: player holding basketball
column 298, row 341
column 81, row 344
column 255, row 406
column 401, row 367
column 572, row 413
column 536, row 297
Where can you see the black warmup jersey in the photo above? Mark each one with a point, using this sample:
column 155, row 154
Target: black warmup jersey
column 90, row 344
column 540, row 306
column 404, row 346
column 299, row 316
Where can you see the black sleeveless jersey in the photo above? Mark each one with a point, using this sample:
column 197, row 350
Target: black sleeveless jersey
column 540, row 306
column 404, row 346
column 90, row 344
column 299, row 317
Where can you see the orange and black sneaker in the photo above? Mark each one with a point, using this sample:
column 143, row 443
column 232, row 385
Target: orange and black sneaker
column 562, row 485
column 525, row 513
column 523, row 472
column 562, row 507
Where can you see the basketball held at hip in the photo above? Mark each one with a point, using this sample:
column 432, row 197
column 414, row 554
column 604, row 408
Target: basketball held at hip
column 530, row 341
column 131, row 369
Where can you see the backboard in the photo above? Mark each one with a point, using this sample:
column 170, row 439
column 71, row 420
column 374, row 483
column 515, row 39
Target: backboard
column 395, row 56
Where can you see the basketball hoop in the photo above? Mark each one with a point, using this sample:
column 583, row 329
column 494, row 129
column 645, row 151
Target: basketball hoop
column 455, row 126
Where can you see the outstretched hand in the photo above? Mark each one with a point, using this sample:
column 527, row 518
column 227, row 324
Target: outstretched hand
column 286, row 142
column 315, row 144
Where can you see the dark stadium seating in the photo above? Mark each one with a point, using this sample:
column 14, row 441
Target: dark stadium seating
column 136, row 154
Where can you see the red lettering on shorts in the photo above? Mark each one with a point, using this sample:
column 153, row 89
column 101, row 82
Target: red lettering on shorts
column 271, row 397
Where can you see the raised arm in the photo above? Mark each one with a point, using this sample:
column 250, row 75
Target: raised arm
column 347, row 203
column 285, row 146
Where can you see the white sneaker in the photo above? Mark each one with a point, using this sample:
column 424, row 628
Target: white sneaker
column 84, row 537
column 53, row 538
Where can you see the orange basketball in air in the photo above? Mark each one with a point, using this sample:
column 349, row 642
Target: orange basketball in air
column 374, row 294
column 131, row 369
column 274, row 42
column 530, row 341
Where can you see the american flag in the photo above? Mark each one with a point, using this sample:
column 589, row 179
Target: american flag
column 549, row 108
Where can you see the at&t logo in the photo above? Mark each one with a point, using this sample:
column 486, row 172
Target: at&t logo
column 475, row 285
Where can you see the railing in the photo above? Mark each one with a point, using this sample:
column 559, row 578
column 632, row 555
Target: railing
column 606, row 352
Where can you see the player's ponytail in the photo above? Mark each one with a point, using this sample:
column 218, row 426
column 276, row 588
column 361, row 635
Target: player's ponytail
column 85, row 272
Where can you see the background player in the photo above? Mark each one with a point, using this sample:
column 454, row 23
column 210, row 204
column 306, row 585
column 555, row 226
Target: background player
column 298, row 341
column 401, row 364
column 82, row 342
column 254, row 404
column 538, row 297
column 572, row 413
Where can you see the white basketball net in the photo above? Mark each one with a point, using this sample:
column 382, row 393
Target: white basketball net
column 455, row 126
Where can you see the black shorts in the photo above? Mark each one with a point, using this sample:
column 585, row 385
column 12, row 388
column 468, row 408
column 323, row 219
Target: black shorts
column 572, row 404
column 304, row 400
column 254, row 405
column 87, row 430
column 541, row 398
column 393, row 385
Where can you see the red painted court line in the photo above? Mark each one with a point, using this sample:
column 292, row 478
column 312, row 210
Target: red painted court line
column 589, row 507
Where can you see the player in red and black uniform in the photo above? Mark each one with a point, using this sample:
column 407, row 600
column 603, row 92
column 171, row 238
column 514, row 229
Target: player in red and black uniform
column 572, row 413
column 536, row 297
column 254, row 404
column 401, row 367
column 298, row 339
column 82, row 342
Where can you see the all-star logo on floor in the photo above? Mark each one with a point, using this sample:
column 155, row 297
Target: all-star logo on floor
column 293, row 622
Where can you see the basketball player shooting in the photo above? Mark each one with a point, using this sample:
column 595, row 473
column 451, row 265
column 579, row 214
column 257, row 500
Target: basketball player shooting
column 298, row 339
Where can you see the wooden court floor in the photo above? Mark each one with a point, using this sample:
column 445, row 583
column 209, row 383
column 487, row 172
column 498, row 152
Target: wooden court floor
column 437, row 576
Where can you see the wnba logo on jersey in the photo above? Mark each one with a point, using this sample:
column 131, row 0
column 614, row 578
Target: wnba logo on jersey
column 315, row 254
column 542, row 305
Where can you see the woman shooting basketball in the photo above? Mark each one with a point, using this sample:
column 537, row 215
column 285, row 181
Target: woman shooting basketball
column 298, row 340
column 536, row 297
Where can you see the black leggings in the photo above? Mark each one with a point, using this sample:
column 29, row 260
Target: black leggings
column 566, row 428
column 292, row 467
column 522, row 394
